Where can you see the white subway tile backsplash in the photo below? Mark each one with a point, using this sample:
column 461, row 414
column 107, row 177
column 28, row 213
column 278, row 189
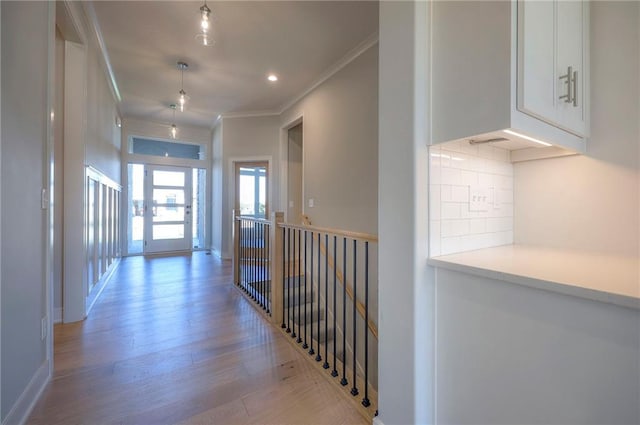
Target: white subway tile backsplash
column 460, row 193
column 477, row 225
column 455, row 167
column 446, row 193
column 434, row 201
column 468, row 178
column 451, row 175
column 451, row 210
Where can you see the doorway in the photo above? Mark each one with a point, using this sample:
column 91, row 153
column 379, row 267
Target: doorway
column 251, row 189
column 295, row 174
column 167, row 207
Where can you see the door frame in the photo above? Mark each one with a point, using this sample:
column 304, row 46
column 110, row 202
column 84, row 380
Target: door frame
column 284, row 163
column 148, row 209
column 236, row 194
column 231, row 190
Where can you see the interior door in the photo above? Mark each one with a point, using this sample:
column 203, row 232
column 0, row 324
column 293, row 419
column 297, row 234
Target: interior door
column 167, row 214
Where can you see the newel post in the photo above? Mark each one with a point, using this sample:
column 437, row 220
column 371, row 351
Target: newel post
column 277, row 243
column 236, row 248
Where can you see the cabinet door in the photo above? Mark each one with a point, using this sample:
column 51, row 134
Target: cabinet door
column 536, row 75
column 571, row 43
column 551, row 42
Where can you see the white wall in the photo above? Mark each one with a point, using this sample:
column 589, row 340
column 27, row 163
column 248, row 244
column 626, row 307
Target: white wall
column 26, row 33
column 592, row 202
column 103, row 137
column 340, row 139
column 509, row 354
column 406, row 291
column 242, row 139
column 217, row 171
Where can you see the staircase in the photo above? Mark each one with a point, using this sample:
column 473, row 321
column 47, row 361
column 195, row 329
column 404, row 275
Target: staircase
column 296, row 276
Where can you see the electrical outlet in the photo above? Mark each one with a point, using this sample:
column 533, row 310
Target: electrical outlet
column 44, row 323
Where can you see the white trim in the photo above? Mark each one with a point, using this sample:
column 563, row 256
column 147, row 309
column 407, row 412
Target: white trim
column 93, row 24
column 57, row 315
column 24, row 405
column 377, row 421
column 99, row 287
column 365, row 45
column 49, row 182
column 232, row 190
column 352, row 55
column 284, row 164
column 249, row 114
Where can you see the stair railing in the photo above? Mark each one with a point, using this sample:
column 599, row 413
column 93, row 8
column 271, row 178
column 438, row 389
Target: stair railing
column 318, row 285
column 252, row 259
column 326, row 311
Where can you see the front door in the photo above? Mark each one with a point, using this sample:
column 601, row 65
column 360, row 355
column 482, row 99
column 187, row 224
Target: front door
column 167, row 209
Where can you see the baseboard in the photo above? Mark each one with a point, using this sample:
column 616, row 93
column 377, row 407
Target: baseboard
column 21, row 410
column 377, row 421
column 57, row 315
column 102, row 283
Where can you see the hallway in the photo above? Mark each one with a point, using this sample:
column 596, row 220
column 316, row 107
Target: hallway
column 172, row 341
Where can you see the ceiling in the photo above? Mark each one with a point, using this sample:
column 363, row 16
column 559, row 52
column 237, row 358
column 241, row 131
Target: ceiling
column 297, row 40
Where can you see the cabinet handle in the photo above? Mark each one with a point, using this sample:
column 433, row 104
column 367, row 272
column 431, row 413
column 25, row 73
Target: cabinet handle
column 568, row 98
column 575, row 88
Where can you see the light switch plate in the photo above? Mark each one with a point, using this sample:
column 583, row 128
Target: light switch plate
column 311, row 203
column 478, row 198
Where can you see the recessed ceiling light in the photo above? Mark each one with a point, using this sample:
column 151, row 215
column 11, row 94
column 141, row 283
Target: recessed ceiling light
column 272, row 77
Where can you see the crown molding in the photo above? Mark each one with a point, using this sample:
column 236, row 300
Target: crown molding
column 354, row 53
column 248, row 114
column 97, row 32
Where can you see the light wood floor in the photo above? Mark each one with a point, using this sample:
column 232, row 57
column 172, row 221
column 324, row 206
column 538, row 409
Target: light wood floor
column 171, row 341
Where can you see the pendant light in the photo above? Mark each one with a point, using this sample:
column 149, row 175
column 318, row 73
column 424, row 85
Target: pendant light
column 173, row 129
column 203, row 36
column 182, row 95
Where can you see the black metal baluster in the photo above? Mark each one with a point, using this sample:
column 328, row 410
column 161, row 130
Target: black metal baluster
column 299, row 340
column 334, row 372
column 318, row 356
column 254, row 262
column 285, row 272
column 343, row 381
column 295, row 279
column 354, row 389
column 245, row 270
column 288, row 280
column 326, row 302
column 311, row 352
column 261, row 265
column 240, row 253
column 267, row 273
column 305, row 345
column 365, row 400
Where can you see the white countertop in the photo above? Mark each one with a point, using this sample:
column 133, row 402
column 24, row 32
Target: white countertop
column 594, row 276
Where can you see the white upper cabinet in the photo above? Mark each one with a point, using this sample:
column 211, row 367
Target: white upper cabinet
column 515, row 70
column 551, row 62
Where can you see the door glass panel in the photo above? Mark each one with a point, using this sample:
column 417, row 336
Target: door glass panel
column 135, row 229
column 168, row 214
column 168, row 197
column 168, row 231
column 198, row 219
column 168, row 178
column 247, row 195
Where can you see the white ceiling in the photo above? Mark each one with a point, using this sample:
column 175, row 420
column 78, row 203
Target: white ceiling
column 297, row 40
